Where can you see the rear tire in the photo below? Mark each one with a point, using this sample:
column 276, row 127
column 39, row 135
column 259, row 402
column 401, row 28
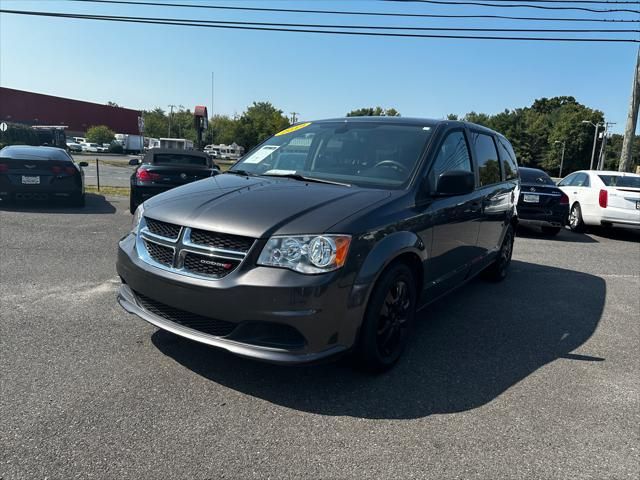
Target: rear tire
column 497, row 271
column 388, row 319
column 576, row 224
column 550, row 231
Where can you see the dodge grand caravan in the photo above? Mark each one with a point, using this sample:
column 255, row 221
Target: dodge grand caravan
column 326, row 238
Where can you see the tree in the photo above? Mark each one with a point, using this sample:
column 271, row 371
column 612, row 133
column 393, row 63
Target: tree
column 100, row 134
column 452, row 116
column 259, row 122
column 112, row 104
column 373, row 112
column 222, row 129
column 156, row 123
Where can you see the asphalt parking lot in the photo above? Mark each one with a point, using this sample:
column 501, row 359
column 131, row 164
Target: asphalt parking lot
column 536, row 377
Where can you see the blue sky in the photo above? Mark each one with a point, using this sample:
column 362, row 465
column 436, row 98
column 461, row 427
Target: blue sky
column 143, row 66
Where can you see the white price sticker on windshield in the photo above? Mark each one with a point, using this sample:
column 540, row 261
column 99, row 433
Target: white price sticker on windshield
column 261, row 154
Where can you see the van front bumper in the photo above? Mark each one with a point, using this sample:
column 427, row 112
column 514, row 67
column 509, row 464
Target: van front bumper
column 270, row 314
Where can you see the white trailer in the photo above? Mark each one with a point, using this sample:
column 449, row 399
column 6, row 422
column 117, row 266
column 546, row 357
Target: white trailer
column 176, row 143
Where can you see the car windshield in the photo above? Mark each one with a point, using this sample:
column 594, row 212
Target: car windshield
column 537, row 177
column 380, row 155
column 178, row 159
column 621, row 180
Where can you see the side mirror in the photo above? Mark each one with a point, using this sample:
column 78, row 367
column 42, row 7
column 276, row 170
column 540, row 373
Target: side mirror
column 455, row 182
column 134, row 161
column 83, row 164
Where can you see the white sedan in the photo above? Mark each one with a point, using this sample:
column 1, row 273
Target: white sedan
column 598, row 197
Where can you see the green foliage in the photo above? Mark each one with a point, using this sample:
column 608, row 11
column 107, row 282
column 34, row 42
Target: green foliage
column 259, row 122
column 256, row 124
column 18, row 134
column 156, row 123
column 614, row 149
column 452, row 116
column 100, row 134
column 534, row 130
column 116, row 148
column 374, row 112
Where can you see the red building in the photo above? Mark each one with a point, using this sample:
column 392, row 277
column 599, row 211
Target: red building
column 38, row 109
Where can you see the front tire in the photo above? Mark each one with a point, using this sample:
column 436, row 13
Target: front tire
column 497, row 271
column 576, row 224
column 388, row 319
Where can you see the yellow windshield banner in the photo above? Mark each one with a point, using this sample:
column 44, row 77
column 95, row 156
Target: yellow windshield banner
column 295, row 128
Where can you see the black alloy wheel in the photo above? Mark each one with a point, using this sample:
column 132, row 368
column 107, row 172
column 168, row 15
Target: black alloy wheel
column 388, row 320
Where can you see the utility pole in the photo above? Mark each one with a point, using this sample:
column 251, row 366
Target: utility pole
column 632, row 120
column 211, row 113
column 595, row 140
column 294, row 117
column 562, row 157
column 603, row 145
column 171, row 107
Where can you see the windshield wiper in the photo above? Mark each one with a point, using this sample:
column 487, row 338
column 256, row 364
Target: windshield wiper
column 244, row 173
column 302, row 178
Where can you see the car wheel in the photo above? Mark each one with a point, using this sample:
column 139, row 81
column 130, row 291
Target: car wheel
column 388, row 319
column 551, row 231
column 576, row 223
column 497, row 271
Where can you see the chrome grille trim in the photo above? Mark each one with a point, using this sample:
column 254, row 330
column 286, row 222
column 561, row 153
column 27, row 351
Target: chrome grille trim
column 181, row 246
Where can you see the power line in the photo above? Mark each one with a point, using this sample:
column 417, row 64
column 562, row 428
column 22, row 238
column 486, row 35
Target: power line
column 301, row 30
column 342, row 12
column 519, row 5
column 357, row 27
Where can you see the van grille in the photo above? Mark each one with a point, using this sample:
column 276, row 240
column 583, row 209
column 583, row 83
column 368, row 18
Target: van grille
column 210, row 326
column 223, row 241
column 159, row 253
column 163, row 229
column 207, row 265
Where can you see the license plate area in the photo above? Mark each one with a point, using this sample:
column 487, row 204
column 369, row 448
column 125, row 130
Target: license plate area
column 530, row 198
column 30, row 180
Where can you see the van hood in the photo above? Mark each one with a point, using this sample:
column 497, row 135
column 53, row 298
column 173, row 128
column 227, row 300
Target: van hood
column 259, row 207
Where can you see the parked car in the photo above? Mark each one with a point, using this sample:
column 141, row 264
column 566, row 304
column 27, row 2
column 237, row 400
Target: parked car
column 90, row 147
column 40, row 173
column 603, row 198
column 327, row 237
column 540, row 202
column 163, row 169
column 73, row 146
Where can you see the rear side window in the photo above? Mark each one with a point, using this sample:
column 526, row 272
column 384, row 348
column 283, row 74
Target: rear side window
column 508, row 159
column 581, row 180
column 567, row 180
column 620, row 181
column 488, row 164
column 452, row 155
column 178, row 159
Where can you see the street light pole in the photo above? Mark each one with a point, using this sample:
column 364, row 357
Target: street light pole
column 595, row 141
column 562, row 157
column 170, row 115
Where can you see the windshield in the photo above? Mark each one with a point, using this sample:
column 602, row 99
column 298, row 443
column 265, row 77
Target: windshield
column 381, row 155
column 621, row 180
column 537, row 177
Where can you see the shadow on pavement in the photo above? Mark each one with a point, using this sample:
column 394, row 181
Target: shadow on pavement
column 467, row 349
column 616, row 233
column 95, row 204
column 565, row 235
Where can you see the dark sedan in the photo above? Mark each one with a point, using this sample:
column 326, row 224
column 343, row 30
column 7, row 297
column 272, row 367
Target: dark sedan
column 42, row 173
column 541, row 203
column 164, row 169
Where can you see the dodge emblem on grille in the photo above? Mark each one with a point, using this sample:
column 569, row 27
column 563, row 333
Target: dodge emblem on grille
column 226, row 266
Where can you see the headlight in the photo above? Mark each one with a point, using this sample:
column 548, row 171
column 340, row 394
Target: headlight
column 306, row 253
column 137, row 216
